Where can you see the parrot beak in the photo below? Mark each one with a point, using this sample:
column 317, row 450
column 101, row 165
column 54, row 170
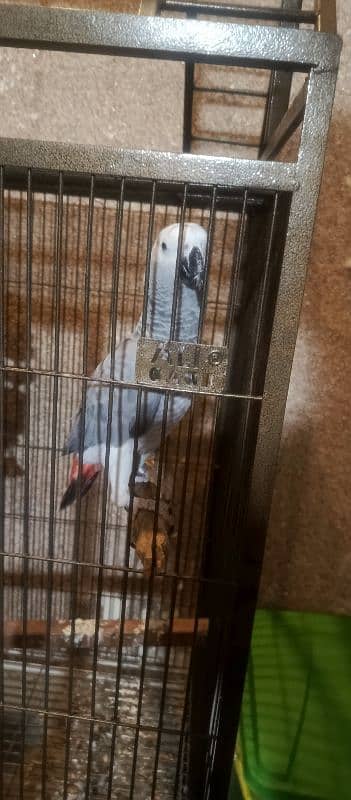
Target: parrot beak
column 192, row 270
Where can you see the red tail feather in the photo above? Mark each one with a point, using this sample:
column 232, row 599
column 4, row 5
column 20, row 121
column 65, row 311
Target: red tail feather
column 79, row 484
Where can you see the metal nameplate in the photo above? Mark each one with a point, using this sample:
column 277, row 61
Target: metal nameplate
column 181, row 365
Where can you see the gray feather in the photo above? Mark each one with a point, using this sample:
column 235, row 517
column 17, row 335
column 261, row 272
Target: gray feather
column 124, row 405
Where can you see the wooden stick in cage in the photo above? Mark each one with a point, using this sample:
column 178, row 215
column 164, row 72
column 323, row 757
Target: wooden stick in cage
column 109, row 630
column 144, row 540
column 144, row 537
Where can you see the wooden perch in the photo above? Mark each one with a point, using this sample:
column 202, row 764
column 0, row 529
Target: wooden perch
column 109, row 631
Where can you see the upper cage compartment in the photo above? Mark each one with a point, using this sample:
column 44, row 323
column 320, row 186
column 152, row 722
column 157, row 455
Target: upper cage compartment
column 260, row 92
column 260, row 109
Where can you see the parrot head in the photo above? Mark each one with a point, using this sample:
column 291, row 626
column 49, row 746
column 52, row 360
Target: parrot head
column 192, row 261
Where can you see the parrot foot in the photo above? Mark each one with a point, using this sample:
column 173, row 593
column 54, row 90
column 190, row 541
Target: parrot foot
column 146, row 468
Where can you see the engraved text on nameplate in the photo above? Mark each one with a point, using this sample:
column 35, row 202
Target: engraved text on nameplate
column 182, row 365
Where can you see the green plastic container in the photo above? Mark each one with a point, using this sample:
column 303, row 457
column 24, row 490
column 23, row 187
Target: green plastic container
column 295, row 732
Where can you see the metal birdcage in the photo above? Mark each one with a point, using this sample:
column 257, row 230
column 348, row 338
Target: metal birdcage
column 121, row 672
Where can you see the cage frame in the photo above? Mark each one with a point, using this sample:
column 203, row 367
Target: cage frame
column 323, row 15
column 192, row 41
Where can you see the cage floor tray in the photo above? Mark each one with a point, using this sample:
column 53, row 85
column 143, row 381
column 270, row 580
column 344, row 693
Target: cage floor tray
column 86, row 759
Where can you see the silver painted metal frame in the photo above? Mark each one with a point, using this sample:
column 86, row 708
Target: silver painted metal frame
column 216, row 43
column 149, row 164
column 155, row 37
column 309, row 167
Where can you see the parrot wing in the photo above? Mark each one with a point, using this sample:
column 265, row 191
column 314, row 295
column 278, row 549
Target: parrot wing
column 124, row 426
column 124, row 422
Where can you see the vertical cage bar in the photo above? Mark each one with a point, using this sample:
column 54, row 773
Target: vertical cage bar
column 207, row 261
column 124, row 588
column 149, row 594
column 173, row 596
column 38, row 531
column 148, row 258
column 237, row 263
column 149, row 8
column 125, row 286
column 158, row 497
column 189, row 72
column 279, row 91
column 76, row 545
column 53, row 460
column 26, row 497
column 189, row 69
column 113, row 321
column 138, row 262
column 2, row 470
column 76, row 260
column 185, row 715
column 177, row 269
column 326, row 11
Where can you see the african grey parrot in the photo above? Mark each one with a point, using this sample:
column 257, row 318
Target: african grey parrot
column 124, row 425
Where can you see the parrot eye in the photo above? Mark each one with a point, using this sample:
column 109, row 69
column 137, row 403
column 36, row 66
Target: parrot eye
column 164, row 246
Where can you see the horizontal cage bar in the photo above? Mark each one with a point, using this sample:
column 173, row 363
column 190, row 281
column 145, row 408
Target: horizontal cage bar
column 241, row 11
column 65, row 562
column 106, row 722
column 21, row 154
column 155, row 37
column 130, row 384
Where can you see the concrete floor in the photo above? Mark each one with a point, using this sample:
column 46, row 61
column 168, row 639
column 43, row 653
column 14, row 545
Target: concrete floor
column 136, row 103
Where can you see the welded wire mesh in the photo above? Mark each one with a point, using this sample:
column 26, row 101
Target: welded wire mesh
column 106, row 721
column 61, row 340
